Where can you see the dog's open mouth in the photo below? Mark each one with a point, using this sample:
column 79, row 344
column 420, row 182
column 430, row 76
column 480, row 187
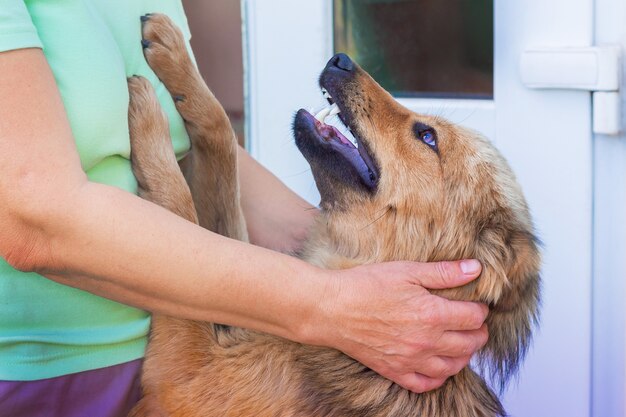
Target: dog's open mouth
column 336, row 138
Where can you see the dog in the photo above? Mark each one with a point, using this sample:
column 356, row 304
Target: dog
column 415, row 187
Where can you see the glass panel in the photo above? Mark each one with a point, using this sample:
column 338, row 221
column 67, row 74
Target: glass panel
column 420, row 48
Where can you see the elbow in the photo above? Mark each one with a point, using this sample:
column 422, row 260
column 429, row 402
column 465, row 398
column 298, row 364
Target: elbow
column 38, row 203
column 25, row 255
column 22, row 245
column 25, row 232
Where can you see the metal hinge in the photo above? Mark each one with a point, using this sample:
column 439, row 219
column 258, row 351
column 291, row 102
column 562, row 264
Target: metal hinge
column 596, row 69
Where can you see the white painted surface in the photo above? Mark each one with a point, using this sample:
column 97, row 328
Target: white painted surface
column 287, row 49
column 592, row 68
column 546, row 135
column 609, row 291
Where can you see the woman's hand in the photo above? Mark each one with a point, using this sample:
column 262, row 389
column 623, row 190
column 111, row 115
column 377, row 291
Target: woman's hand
column 383, row 316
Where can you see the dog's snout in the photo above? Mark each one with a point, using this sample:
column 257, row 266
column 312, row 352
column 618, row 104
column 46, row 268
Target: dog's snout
column 342, row 61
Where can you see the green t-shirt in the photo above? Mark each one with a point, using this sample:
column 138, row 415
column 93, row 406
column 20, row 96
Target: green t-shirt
column 92, row 46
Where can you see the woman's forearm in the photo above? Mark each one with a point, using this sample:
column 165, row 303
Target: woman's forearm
column 277, row 218
column 114, row 244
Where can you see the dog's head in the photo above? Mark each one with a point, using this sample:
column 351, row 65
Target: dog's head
column 418, row 187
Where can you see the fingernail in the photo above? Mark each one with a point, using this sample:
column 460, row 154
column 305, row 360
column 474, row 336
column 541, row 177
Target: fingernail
column 470, row 266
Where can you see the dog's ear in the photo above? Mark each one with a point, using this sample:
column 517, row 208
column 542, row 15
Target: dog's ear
column 510, row 284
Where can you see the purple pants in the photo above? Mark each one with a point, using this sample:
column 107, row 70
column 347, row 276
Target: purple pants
column 106, row 392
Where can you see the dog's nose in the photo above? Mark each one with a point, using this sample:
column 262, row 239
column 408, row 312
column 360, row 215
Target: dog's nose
column 342, row 61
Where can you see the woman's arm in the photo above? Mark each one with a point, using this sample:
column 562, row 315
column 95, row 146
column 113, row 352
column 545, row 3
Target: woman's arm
column 277, row 218
column 114, row 244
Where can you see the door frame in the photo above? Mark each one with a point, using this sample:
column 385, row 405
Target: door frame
column 609, row 255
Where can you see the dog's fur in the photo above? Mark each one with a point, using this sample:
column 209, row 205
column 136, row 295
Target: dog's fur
column 458, row 200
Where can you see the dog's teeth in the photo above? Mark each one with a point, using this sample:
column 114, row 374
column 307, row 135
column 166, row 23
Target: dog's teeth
column 322, row 114
column 345, row 130
column 350, row 136
column 325, row 112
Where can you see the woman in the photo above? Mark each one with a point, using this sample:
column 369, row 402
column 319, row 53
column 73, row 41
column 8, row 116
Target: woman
column 74, row 237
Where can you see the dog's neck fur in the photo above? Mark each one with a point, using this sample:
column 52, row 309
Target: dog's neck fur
column 343, row 244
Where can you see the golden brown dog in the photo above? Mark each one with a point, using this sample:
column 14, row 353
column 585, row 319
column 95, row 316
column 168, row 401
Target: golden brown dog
column 416, row 188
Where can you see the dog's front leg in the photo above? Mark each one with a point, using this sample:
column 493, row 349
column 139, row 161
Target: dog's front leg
column 152, row 156
column 211, row 166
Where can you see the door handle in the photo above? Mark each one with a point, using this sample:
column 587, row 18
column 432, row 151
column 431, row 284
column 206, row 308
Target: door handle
column 596, row 69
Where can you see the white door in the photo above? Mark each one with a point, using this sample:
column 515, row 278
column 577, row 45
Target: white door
column 546, row 134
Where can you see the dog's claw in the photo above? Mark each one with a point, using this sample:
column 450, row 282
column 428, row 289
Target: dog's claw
column 145, row 17
column 145, row 43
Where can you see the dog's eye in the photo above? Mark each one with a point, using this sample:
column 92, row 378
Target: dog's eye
column 426, row 134
column 428, row 138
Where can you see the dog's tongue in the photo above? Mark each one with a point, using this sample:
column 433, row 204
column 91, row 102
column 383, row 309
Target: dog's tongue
column 329, row 132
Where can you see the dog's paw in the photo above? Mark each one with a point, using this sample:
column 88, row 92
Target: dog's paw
column 149, row 131
column 165, row 51
column 147, row 122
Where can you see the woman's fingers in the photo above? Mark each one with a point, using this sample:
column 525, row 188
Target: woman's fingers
column 441, row 275
column 416, row 382
column 443, row 367
column 458, row 315
column 462, row 343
